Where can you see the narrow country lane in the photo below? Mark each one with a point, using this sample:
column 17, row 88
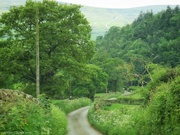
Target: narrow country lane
column 78, row 123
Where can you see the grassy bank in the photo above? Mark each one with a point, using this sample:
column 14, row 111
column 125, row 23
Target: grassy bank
column 156, row 112
column 111, row 116
column 68, row 106
column 22, row 114
column 117, row 119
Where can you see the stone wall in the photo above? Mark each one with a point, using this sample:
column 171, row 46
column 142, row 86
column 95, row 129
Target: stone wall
column 8, row 95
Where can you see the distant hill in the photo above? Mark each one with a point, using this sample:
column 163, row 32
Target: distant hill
column 5, row 4
column 101, row 19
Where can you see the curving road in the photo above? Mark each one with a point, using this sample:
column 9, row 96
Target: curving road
column 78, row 123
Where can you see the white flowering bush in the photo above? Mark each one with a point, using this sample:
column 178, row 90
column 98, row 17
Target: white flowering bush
column 115, row 122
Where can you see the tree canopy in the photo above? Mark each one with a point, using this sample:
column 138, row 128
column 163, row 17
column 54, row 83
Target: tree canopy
column 65, row 44
column 151, row 38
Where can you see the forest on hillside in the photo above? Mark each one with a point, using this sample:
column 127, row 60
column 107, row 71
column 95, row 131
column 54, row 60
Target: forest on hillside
column 100, row 19
column 130, row 54
column 144, row 59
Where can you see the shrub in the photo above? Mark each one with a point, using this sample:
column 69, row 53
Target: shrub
column 22, row 114
column 115, row 122
column 24, row 117
column 163, row 113
column 58, row 122
column 68, row 106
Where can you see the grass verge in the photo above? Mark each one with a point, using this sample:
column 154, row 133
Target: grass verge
column 68, row 106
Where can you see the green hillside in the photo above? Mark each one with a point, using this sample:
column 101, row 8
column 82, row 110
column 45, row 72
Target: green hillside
column 5, row 4
column 101, row 19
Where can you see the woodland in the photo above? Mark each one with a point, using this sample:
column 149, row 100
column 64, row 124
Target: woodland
column 142, row 57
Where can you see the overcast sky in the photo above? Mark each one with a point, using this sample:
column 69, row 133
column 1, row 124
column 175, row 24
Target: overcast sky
column 122, row 3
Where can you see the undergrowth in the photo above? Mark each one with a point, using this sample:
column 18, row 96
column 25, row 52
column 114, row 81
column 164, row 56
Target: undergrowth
column 68, row 106
column 159, row 116
column 25, row 117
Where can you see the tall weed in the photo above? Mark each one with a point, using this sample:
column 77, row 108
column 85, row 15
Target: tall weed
column 115, row 122
column 26, row 117
column 58, row 122
column 68, row 106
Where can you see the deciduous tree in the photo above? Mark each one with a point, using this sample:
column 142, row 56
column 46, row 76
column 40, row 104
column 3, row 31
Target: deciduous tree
column 64, row 40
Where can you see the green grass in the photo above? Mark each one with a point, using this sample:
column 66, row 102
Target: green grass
column 136, row 97
column 135, row 94
column 117, row 106
column 112, row 117
column 108, row 95
column 100, row 94
column 118, row 120
column 58, row 122
column 68, row 106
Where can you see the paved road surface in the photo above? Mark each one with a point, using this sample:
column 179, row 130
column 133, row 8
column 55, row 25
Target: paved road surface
column 78, row 123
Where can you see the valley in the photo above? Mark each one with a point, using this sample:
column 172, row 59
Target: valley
column 100, row 19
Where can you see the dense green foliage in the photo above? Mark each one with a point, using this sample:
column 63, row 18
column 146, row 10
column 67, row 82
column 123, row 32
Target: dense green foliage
column 114, row 118
column 23, row 114
column 144, row 53
column 163, row 112
column 159, row 117
column 20, row 115
column 58, row 122
column 125, row 53
column 65, row 49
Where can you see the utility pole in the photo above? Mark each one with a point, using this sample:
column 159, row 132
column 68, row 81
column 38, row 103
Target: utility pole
column 70, row 87
column 37, row 54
